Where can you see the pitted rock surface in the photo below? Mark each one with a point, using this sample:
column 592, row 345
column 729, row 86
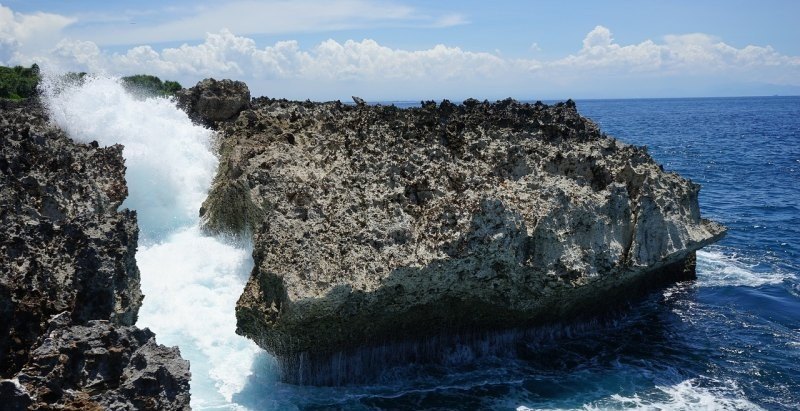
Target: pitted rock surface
column 102, row 366
column 373, row 223
column 64, row 247
column 66, row 251
column 211, row 100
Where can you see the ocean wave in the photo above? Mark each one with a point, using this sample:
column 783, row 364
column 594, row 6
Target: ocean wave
column 717, row 269
column 690, row 394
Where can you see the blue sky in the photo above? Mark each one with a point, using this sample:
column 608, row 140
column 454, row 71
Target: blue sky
column 421, row 49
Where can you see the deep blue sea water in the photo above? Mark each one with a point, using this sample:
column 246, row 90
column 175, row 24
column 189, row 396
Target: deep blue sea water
column 730, row 340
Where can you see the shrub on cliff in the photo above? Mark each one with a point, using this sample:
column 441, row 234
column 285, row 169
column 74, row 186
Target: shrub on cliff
column 18, row 82
column 151, row 85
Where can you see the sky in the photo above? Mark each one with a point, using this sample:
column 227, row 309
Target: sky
column 413, row 50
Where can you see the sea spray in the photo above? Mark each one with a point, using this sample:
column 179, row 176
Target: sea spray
column 191, row 281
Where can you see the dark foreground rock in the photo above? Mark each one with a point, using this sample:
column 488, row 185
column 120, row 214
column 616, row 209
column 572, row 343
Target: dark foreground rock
column 102, row 366
column 374, row 224
column 67, row 253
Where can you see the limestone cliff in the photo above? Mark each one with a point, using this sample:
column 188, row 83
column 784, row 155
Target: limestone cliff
column 66, row 253
column 373, row 224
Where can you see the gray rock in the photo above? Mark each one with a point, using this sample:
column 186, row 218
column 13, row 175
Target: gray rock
column 376, row 224
column 67, row 259
column 211, row 101
column 103, row 366
column 64, row 247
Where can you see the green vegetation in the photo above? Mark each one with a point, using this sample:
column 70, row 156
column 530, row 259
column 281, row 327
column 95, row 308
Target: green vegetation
column 150, row 85
column 18, row 82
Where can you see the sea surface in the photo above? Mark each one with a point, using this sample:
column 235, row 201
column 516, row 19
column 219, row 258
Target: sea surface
column 730, row 340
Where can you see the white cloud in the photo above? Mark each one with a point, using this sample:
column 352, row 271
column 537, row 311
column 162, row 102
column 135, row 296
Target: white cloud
column 225, row 54
column 248, row 17
column 450, row 20
column 21, row 33
column 691, row 54
column 601, row 67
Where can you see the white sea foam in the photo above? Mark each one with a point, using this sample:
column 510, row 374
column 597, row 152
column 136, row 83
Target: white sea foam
column 715, row 268
column 191, row 281
column 687, row 395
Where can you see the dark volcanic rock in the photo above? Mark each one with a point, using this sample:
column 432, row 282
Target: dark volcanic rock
column 373, row 224
column 14, row 397
column 211, row 100
column 102, row 366
column 64, row 248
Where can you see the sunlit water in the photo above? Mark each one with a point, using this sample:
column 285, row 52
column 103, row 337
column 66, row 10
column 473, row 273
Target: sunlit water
column 730, row 340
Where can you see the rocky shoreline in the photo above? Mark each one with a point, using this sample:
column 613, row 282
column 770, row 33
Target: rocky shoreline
column 69, row 289
column 372, row 227
column 373, row 224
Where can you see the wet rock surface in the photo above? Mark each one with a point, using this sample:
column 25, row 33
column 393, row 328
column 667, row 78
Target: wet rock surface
column 65, row 250
column 373, row 224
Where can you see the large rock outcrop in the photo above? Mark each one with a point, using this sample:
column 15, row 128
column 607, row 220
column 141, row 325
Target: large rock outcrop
column 67, row 252
column 211, row 101
column 373, row 224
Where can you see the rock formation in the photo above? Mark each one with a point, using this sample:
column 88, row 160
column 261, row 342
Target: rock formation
column 211, row 100
column 69, row 285
column 374, row 224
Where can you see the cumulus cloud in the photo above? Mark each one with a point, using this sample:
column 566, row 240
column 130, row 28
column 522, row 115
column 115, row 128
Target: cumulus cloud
column 679, row 54
column 225, row 54
column 20, row 33
column 600, row 67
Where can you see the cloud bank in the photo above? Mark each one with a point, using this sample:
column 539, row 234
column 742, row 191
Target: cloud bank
column 687, row 64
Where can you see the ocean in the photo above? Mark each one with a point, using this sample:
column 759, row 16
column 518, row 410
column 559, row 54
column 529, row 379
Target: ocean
column 729, row 340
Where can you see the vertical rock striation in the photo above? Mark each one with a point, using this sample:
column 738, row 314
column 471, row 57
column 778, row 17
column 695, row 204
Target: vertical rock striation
column 374, row 224
column 67, row 253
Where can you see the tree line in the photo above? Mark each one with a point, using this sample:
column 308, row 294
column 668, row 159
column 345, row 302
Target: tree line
column 20, row 82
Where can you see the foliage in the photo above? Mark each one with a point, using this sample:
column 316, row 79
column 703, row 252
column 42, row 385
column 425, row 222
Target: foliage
column 18, row 82
column 150, row 85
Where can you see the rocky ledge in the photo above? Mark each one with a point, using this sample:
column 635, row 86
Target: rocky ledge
column 69, row 285
column 374, row 224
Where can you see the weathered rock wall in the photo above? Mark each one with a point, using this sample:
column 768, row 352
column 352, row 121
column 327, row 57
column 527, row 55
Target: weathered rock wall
column 372, row 223
column 66, row 251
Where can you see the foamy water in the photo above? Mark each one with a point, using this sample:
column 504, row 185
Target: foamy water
column 191, row 281
column 715, row 268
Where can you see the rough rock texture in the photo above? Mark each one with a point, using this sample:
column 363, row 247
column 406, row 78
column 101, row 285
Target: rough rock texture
column 64, row 248
column 100, row 366
column 211, row 100
column 373, row 224
column 64, row 245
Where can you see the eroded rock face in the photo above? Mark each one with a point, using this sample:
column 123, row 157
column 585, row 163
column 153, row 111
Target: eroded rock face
column 373, row 224
column 102, row 366
column 64, row 247
column 65, row 251
column 211, row 100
